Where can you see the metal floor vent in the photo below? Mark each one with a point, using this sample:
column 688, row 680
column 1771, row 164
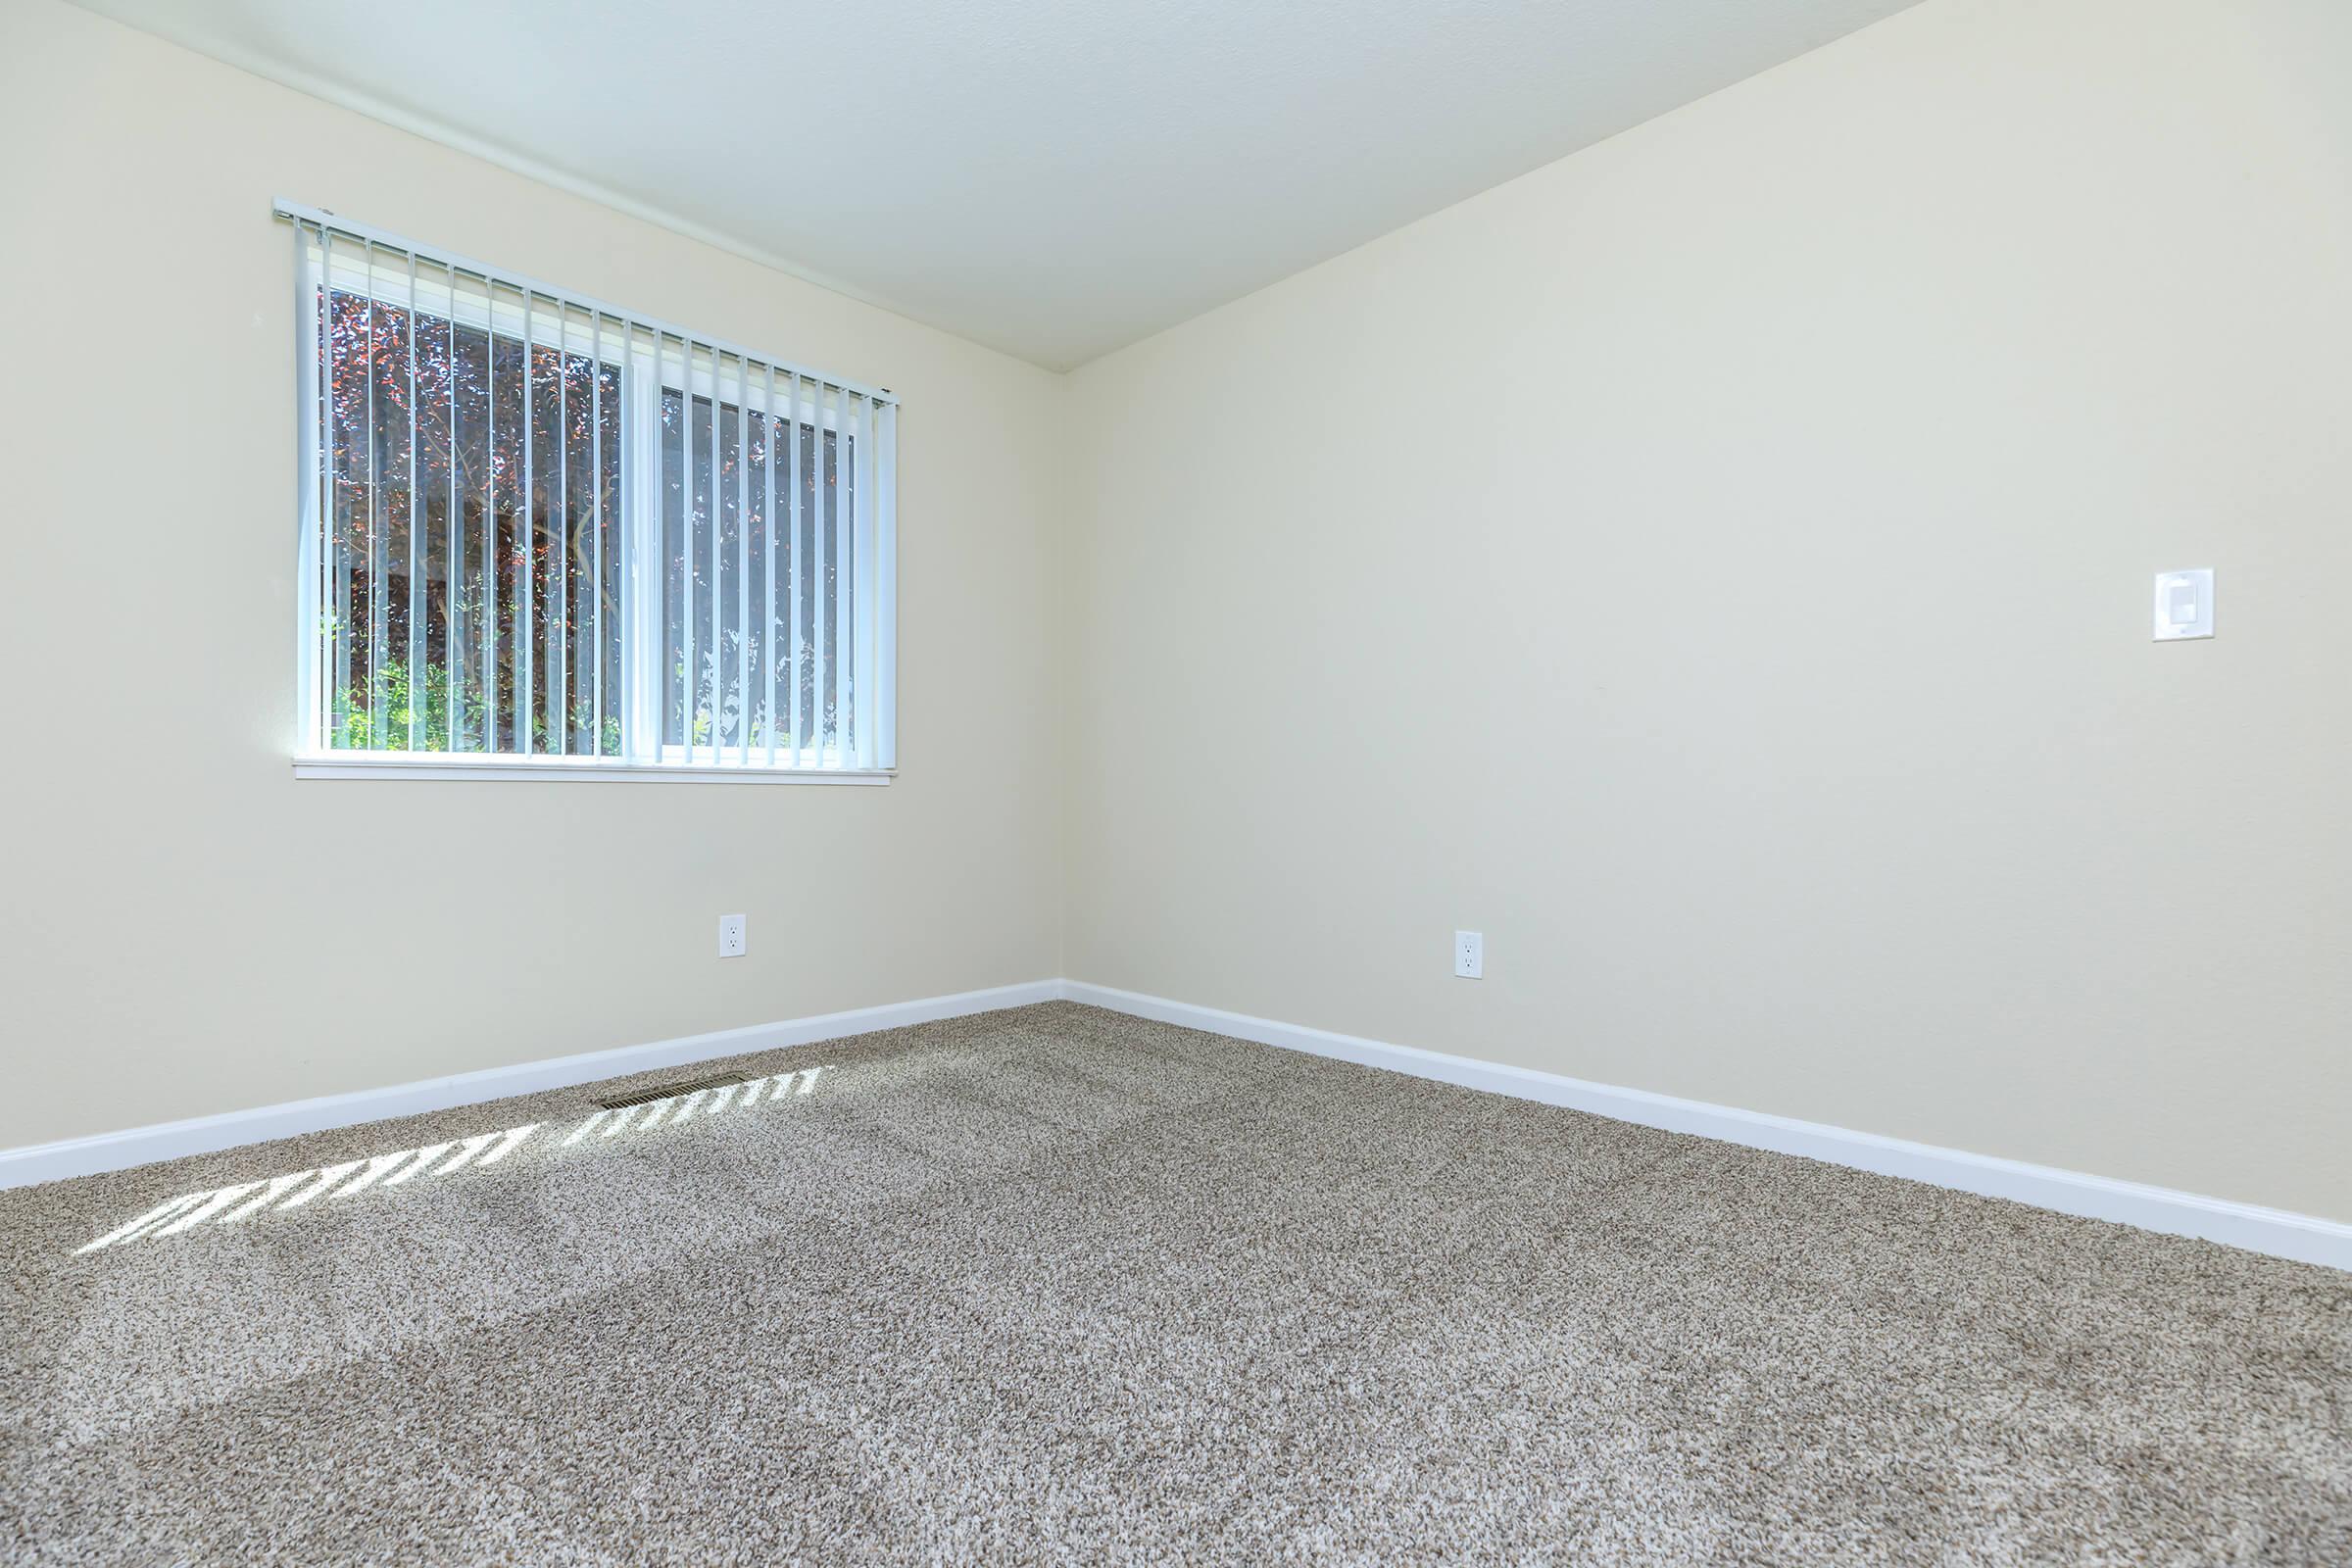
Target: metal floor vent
column 645, row 1097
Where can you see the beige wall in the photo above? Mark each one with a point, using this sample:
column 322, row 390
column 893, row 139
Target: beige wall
column 1717, row 566
column 187, row 929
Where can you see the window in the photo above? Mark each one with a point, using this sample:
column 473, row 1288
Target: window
column 542, row 535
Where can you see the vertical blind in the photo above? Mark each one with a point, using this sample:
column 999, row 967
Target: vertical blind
column 538, row 529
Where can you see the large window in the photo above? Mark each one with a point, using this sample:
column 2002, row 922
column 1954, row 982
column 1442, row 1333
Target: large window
column 540, row 534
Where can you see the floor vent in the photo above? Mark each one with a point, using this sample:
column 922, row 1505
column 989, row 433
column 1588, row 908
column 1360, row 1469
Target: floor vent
column 645, row 1097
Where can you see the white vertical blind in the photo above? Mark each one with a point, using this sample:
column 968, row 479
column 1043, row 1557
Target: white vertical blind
column 714, row 526
column 539, row 528
column 310, row 443
column 883, row 754
column 745, row 639
column 525, row 553
column 485, row 577
column 453, row 655
column 373, row 490
column 819, row 694
column 596, row 426
column 862, row 429
column 770, row 439
column 558, row 511
column 414, row 662
column 795, row 517
column 862, row 552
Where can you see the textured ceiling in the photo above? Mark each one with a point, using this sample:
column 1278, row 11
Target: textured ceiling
column 1057, row 177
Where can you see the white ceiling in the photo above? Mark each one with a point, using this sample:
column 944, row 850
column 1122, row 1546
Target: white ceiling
column 1051, row 178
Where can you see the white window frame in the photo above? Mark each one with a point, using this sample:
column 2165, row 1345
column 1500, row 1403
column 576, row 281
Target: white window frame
column 651, row 364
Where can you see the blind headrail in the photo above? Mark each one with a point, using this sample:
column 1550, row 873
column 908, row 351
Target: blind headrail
column 369, row 233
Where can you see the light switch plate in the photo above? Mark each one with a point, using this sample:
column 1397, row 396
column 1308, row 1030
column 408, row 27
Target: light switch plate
column 2183, row 605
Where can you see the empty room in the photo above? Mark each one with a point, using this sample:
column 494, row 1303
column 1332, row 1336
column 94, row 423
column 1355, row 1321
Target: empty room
column 1372, row 782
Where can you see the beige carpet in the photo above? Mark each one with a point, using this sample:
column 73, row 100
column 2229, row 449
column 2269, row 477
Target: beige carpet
column 1059, row 1286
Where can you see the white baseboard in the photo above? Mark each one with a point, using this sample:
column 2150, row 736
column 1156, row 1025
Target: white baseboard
column 2277, row 1232
column 202, row 1134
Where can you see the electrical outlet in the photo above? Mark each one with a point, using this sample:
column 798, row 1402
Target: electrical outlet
column 731, row 941
column 1470, row 954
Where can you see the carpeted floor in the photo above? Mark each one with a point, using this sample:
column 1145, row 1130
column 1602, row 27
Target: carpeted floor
column 1059, row 1286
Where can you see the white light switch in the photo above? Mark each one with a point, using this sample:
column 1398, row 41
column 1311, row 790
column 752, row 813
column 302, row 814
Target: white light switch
column 2183, row 605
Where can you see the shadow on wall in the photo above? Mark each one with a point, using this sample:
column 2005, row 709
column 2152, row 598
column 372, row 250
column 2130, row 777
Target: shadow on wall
column 241, row 1201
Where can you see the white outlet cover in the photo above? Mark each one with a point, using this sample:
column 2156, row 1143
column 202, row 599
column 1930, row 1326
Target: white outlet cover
column 1470, row 954
column 731, row 936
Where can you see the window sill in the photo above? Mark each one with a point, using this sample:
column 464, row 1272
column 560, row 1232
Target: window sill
column 572, row 770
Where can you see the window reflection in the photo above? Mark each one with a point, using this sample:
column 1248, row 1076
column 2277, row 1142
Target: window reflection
column 241, row 1201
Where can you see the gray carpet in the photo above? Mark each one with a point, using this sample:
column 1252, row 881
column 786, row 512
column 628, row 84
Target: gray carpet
column 1059, row 1286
